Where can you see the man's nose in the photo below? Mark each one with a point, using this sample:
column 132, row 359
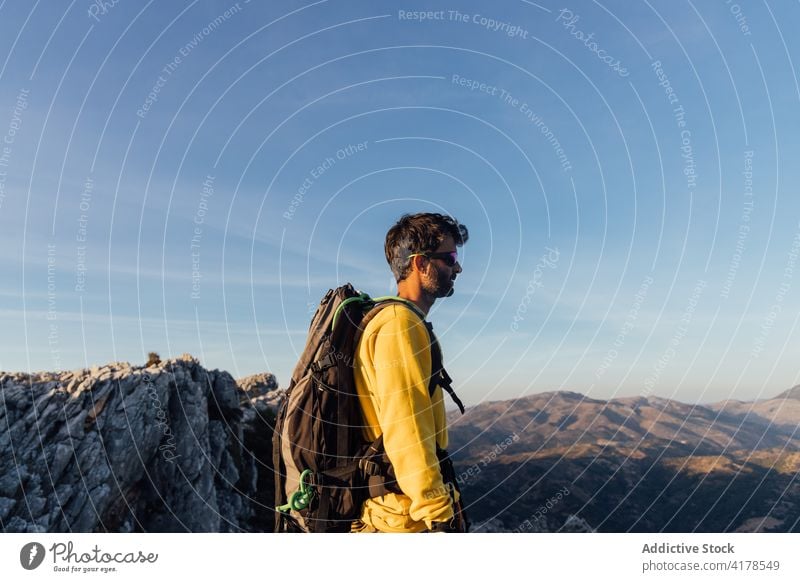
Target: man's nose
column 457, row 267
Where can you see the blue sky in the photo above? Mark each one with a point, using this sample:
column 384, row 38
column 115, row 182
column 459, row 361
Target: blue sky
column 192, row 177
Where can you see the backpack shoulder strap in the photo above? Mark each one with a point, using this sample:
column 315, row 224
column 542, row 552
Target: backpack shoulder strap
column 439, row 375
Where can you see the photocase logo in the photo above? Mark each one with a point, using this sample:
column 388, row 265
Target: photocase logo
column 31, row 556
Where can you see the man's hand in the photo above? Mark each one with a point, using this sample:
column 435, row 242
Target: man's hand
column 456, row 525
column 443, row 527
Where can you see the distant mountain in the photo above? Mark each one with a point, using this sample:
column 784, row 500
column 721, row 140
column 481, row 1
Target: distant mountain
column 630, row 464
column 781, row 412
column 793, row 393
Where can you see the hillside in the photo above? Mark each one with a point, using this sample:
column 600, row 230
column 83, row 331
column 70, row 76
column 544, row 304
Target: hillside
column 631, row 464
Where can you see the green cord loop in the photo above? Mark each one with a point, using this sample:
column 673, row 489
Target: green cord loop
column 368, row 301
column 302, row 497
column 363, row 297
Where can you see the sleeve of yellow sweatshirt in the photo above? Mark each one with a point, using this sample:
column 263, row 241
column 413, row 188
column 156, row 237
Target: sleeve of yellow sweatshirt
column 402, row 370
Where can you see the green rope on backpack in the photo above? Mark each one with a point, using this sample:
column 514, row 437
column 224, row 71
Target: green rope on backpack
column 363, row 297
column 367, row 301
column 300, row 498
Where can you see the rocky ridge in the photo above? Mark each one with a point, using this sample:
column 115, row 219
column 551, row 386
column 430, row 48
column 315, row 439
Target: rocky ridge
column 171, row 447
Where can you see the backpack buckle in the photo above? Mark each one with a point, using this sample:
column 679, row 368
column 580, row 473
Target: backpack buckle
column 369, row 467
column 323, row 364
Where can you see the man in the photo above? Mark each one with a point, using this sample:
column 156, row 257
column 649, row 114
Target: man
column 393, row 367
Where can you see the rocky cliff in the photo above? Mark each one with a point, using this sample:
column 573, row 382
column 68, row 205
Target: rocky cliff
column 168, row 448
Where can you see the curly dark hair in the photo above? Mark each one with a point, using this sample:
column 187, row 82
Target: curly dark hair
column 419, row 233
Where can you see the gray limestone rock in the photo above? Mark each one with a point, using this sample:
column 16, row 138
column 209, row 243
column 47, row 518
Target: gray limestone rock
column 119, row 448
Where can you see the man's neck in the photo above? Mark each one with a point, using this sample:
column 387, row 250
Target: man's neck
column 417, row 296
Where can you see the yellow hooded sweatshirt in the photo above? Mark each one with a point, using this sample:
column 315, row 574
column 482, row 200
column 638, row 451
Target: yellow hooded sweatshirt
column 392, row 372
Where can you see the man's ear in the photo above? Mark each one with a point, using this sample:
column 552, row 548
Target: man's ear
column 419, row 262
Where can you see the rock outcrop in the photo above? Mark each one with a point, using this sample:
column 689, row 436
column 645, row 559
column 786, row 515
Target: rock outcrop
column 119, row 448
column 259, row 398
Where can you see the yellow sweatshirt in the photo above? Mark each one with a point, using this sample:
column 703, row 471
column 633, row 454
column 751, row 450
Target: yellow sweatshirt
column 392, row 371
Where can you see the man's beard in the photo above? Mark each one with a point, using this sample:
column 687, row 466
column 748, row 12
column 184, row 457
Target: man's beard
column 437, row 283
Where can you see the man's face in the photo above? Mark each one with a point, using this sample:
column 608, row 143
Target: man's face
column 437, row 278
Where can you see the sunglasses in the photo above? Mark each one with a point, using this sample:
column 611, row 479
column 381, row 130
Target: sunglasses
column 449, row 258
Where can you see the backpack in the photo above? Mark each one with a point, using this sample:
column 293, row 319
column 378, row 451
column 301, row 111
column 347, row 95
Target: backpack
column 324, row 467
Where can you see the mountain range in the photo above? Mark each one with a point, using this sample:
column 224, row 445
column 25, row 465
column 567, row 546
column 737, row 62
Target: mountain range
column 643, row 464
